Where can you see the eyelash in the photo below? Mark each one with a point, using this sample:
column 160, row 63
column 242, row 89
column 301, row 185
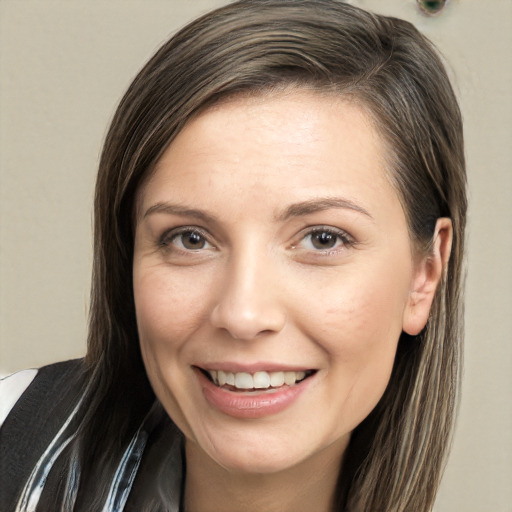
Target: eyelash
column 340, row 236
column 167, row 240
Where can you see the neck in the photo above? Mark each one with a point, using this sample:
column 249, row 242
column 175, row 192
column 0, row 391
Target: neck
column 310, row 485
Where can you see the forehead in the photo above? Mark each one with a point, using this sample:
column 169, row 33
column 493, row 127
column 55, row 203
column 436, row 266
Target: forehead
column 292, row 143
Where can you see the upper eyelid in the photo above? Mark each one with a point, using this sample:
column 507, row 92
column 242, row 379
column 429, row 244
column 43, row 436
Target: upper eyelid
column 331, row 229
column 347, row 240
column 169, row 234
column 186, row 229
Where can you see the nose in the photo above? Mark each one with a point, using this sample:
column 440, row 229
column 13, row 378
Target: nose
column 249, row 304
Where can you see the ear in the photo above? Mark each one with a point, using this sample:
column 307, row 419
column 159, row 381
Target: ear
column 428, row 273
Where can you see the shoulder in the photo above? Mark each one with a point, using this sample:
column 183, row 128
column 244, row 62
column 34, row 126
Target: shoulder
column 11, row 388
column 37, row 382
column 39, row 402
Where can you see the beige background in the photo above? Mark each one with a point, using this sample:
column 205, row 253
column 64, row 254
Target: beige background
column 64, row 65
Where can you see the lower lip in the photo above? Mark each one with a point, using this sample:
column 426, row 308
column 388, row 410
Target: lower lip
column 251, row 404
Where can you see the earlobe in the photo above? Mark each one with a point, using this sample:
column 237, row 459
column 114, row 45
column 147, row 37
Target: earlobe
column 428, row 273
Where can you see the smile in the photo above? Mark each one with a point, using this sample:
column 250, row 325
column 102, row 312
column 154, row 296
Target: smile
column 245, row 381
column 247, row 395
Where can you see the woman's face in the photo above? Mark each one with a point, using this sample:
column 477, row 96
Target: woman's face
column 273, row 275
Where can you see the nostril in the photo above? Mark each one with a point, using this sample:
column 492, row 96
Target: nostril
column 265, row 332
column 247, row 321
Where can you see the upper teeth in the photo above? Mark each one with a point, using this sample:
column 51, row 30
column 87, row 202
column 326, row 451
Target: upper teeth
column 257, row 380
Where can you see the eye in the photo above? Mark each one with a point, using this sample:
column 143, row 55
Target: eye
column 186, row 239
column 325, row 239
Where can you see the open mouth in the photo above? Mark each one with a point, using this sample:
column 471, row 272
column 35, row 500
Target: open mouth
column 261, row 380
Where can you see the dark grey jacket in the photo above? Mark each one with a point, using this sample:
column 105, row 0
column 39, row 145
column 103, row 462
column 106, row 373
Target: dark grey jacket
column 36, row 463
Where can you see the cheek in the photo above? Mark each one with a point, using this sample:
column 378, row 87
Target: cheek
column 369, row 327
column 360, row 314
column 168, row 312
column 167, row 309
column 358, row 329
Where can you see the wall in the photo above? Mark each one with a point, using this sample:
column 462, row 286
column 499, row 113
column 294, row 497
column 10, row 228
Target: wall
column 63, row 67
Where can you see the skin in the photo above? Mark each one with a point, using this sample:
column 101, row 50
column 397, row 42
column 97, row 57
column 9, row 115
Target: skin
column 257, row 289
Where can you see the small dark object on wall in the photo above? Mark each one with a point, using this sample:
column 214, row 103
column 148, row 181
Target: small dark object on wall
column 431, row 6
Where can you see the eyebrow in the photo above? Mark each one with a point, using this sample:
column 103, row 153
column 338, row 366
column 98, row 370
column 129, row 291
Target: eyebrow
column 294, row 210
column 176, row 209
column 321, row 204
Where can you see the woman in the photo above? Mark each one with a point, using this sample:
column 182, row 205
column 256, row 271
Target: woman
column 275, row 316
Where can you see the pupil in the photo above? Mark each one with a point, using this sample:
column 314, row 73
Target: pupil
column 324, row 240
column 193, row 241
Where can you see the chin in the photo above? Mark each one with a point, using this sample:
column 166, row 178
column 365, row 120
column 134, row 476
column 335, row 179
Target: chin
column 259, row 461
column 263, row 449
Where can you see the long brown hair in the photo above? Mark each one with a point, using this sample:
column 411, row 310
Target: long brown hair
column 395, row 458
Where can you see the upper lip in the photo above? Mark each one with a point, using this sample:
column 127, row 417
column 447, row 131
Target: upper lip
column 234, row 367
